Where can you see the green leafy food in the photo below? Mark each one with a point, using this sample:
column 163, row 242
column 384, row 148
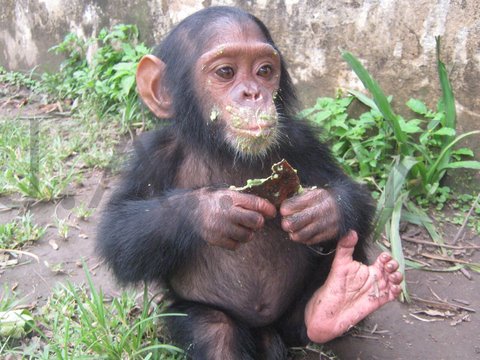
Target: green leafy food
column 281, row 185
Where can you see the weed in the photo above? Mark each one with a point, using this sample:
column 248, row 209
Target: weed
column 20, row 231
column 18, row 79
column 8, row 299
column 44, row 159
column 79, row 323
column 62, row 227
column 403, row 159
column 106, row 84
column 83, row 212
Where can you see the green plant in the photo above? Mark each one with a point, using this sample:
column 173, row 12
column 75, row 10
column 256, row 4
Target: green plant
column 83, row 212
column 8, row 299
column 79, row 323
column 359, row 144
column 404, row 159
column 44, row 159
column 18, row 79
column 62, row 227
column 105, row 84
column 20, row 231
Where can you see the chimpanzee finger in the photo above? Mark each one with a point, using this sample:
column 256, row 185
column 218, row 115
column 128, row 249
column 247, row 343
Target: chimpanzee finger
column 247, row 218
column 315, row 233
column 297, row 221
column 299, row 202
column 254, row 203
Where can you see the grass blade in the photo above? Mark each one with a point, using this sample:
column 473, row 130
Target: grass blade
column 447, row 92
column 428, row 224
column 391, row 192
column 364, row 99
column 462, row 165
column 378, row 96
column 444, row 154
column 396, row 241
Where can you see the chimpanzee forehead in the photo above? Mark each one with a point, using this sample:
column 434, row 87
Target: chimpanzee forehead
column 232, row 49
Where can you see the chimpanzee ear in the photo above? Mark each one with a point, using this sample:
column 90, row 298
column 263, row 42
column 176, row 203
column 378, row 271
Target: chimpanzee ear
column 150, row 77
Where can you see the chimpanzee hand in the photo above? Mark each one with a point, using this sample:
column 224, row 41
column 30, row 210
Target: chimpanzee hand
column 229, row 218
column 310, row 217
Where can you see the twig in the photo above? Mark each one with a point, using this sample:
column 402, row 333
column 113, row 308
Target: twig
column 22, row 253
column 45, row 116
column 469, row 214
column 465, row 273
column 453, row 247
column 464, row 302
column 434, row 294
column 444, row 305
column 418, row 261
column 444, row 258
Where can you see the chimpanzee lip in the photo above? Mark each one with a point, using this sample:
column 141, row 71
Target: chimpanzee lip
column 255, row 131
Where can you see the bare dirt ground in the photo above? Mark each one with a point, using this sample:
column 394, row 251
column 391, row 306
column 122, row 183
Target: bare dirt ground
column 442, row 323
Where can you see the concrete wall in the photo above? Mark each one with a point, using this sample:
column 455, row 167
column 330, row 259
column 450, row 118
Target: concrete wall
column 394, row 39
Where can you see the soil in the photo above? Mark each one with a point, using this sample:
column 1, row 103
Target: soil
column 446, row 328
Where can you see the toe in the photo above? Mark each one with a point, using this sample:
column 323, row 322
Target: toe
column 385, row 257
column 391, row 266
column 396, row 277
column 345, row 248
column 396, row 290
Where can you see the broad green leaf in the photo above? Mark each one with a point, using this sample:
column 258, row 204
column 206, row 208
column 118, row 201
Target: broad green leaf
column 392, row 191
column 445, row 132
column 463, row 152
column 417, row 106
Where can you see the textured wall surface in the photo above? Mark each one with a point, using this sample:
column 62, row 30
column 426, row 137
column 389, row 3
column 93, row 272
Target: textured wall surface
column 394, row 39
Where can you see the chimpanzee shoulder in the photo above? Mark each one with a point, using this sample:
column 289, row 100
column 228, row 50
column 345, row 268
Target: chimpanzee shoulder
column 152, row 163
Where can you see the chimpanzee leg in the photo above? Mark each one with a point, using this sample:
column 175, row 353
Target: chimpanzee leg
column 270, row 344
column 209, row 334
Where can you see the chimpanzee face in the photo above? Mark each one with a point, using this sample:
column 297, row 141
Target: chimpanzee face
column 237, row 79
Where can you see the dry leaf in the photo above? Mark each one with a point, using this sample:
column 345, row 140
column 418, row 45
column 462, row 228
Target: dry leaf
column 53, row 244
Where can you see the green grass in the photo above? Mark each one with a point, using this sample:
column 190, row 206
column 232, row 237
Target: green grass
column 44, row 159
column 79, row 323
column 19, row 232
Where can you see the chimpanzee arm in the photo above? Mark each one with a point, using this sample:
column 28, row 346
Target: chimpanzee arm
column 144, row 239
column 146, row 228
column 355, row 205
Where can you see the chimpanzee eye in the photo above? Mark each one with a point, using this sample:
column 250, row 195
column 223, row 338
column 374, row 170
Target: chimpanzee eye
column 225, row 72
column 265, row 71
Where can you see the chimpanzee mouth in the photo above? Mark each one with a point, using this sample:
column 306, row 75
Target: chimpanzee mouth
column 256, row 131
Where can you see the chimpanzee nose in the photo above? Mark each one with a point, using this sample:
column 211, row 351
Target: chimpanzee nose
column 251, row 92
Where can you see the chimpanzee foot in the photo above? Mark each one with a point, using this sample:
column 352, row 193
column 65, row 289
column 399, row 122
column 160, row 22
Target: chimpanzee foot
column 351, row 292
